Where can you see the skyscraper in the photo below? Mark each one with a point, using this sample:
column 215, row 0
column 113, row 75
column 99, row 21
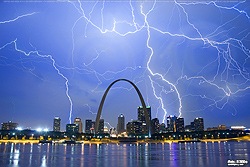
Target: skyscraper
column 101, row 126
column 142, row 118
column 88, row 126
column 57, row 124
column 162, row 128
column 141, row 114
column 134, row 127
column 198, row 124
column 180, row 125
column 9, row 125
column 155, row 125
column 92, row 130
column 78, row 122
column 171, row 126
column 72, row 128
column 121, row 124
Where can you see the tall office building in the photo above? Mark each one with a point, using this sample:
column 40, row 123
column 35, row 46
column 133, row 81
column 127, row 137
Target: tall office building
column 101, row 126
column 141, row 114
column 78, row 122
column 9, row 125
column 171, row 126
column 155, row 125
column 57, row 124
column 121, row 124
column 142, row 118
column 92, row 130
column 190, row 128
column 180, row 125
column 88, row 126
column 72, row 128
column 162, row 128
column 134, row 127
column 198, row 124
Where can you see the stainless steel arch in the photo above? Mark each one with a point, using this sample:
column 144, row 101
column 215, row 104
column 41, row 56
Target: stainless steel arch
column 148, row 123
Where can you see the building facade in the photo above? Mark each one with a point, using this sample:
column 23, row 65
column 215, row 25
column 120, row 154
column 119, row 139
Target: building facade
column 198, row 124
column 57, row 124
column 155, row 126
column 171, row 123
column 101, row 126
column 9, row 125
column 134, row 127
column 78, row 122
column 88, row 126
column 180, row 125
column 72, row 128
column 162, row 128
column 121, row 124
column 141, row 117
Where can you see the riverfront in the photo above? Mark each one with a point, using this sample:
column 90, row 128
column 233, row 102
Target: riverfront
column 113, row 141
column 195, row 154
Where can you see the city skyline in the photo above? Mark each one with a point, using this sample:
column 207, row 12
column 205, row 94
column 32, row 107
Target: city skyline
column 187, row 59
column 87, row 125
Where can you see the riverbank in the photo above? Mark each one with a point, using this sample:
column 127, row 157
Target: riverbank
column 107, row 141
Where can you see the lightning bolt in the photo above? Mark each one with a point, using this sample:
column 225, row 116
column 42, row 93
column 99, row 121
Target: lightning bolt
column 18, row 17
column 228, row 68
column 223, row 54
column 35, row 52
column 109, row 125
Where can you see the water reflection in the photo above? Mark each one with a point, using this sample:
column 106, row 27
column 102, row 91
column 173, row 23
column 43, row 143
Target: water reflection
column 138, row 154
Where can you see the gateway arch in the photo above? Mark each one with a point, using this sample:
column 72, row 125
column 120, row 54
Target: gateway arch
column 148, row 123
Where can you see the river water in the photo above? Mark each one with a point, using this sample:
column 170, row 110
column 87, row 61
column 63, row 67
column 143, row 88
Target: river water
column 197, row 154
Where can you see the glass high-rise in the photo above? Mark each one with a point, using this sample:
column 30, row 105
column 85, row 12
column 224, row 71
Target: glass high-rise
column 142, row 117
column 155, row 126
column 78, row 122
column 198, row 124
column 88, row 125
column 180, row 125
column 57, row 124
column 171, row 126
column 101, row 126
column 121, row 124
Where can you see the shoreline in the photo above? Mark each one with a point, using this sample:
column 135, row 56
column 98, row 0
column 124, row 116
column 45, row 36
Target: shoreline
column 244, row 138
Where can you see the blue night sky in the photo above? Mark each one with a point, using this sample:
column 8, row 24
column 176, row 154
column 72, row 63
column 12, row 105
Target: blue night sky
column 188, row 58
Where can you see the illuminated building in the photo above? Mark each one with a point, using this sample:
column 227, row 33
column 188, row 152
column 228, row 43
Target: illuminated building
column 92, row 130
column 134, row 127
column 78, row 122
column 106, row 129
column 222, row 127
column 101, row 126
column 142, row 118
column 121, row 124
column 180, row 125
column 238, row 127
column 57, row 124
column 162, row 128
column 198, row 124
column 171, row 126
column 155, row 125
column 72, row 128
column 9, row 125
column 219, row 127
column 88, row 126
